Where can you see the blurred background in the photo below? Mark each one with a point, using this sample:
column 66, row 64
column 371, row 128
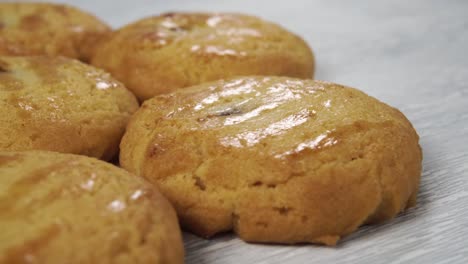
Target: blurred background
column 385, row 40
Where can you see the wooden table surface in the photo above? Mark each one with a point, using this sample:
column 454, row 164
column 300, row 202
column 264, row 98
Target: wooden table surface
column 409, row 54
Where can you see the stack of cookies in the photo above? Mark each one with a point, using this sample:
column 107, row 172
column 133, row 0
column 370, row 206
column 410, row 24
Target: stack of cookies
column 220, row 127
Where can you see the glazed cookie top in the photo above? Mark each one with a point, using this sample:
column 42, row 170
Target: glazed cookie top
column 52, row 102
column 273, row 116
column 190, row 48
column 63, row 208
column 276, row 159
column 48, row 29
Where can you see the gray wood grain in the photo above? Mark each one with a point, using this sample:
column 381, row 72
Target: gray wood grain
column 410, row 54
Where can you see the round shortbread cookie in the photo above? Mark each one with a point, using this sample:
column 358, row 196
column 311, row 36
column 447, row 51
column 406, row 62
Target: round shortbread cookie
column 61, row 104
column 161, row 54
column 64, row 208
column 48, row 29
column 275, row 159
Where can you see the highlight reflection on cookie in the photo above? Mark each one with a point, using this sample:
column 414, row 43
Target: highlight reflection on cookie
column 275, row 159
column 163, row 53
column 63, row 208
column 48, row 29
column 60, row 104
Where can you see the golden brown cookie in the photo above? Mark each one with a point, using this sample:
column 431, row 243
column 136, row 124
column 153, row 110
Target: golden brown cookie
column 63, row 208
column 160, row 54
column 60, row 104
column 275, row 159
column 48, row 29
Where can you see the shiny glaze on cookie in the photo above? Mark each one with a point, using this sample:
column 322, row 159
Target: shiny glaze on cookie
column 262, row 113
column 50, row 199
column 20, row 79
column 161, row 54
column 47, row 29
column 248, row 112
column 43, row 97
column 267, row 155
column 205, row 30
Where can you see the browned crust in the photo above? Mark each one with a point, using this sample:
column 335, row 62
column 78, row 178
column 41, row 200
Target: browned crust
column 49, row 29
column 160, row 54
column 63, row 208
column 364, row 167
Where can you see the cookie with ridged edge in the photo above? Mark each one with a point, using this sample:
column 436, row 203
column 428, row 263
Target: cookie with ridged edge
column 48, row 29
column 275, row 159
column 61, row 104
column 160, row 54
column 64, row 208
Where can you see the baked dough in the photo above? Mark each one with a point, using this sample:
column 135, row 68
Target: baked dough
column 48, row 29
column 61, row 104
column 275, row 159
column 160, row 54
column 64, row 208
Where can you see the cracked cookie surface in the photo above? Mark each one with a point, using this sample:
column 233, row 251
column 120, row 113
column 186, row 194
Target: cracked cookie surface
column 48, row 29
column 275, row 159
column 163, row 53
column 61, row 104
column 64, row 208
